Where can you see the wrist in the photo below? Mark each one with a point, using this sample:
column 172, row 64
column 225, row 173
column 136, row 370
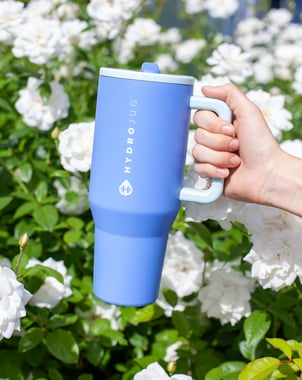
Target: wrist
column 283, row 187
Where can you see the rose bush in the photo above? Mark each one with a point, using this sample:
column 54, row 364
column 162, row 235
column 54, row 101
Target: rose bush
column 229, row 305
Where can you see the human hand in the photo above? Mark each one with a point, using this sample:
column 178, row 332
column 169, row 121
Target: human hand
column 243, row 152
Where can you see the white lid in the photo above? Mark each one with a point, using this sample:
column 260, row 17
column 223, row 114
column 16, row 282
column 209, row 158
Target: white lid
column 146, row 76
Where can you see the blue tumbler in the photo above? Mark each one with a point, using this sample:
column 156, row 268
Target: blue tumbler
column 136, row 182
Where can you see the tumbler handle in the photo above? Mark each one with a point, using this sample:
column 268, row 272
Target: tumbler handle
column 215, row 190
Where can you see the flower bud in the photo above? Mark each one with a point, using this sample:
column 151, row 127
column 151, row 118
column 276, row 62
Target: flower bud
column 23, row 241
column 55, row 133
column 171, row 367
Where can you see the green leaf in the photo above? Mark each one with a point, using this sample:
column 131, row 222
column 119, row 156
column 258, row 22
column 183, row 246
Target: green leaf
column 75, row 223
column 214, row 374
column 36, row 275
column 4, row 104
column 47, row 217
column 181, row 323
column 281, row 345
column 255, row 327
column 10, row 367
column 100, row 326
column 43, row 271
column 24, row 209
column 259, row 369
column 94, row 352
column 71, row 237
column 202, row 232
column 41, row 191
column 62, row 345
column 85, row 376
column 25, row 172
column 30, row 339
column 231, row 369
column 170, row 296
column 246, row 351
column 59, row 320
column 226, row 371
column 54, row 374
column 284, row 370
column 298, row 362
column 295, row 346
column 147, row 313
column 60, row 174
column 4, row 201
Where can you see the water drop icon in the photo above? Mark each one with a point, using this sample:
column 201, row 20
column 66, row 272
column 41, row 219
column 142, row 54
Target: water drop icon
column 125, row 188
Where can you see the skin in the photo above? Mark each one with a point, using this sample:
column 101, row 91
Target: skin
column 246, row 154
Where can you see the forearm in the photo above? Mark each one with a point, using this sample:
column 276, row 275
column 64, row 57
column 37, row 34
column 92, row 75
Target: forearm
column 284, row 188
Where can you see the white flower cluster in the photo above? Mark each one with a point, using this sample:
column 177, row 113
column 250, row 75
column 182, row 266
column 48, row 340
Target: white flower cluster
column 142, row 32
column 182, row 271
column 43, row 29
column 276, row 46
column 109, row 16
column 42, row 32
column 13, row 298
column 276, row 235
column 225, row 294
column 155, row 371
column 215, row 8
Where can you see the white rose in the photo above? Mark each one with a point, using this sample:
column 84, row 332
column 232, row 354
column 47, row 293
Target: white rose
column 229, row 59
column 38, row 111
column 226, row 295
column 74, row 186
column 221, row 9
column 188, row 50
column 51, row 291
column 39, row 39
column 143, row 32
column 13, row 298
column 273, row 110
column 194, row 6
column 183, row 266
column 75, row 147
column 10, row 19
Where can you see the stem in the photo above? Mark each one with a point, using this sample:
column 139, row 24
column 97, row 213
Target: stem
column 21, row 251
column 20, row 183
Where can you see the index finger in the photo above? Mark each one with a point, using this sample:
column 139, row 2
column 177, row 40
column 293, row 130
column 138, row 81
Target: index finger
column 209, row 121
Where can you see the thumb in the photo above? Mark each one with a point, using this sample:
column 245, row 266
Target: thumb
column 232, row 96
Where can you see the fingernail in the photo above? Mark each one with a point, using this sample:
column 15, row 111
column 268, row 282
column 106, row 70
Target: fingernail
column 235, row 160
column 234, row 144
column 228, row 130
column 223, row 172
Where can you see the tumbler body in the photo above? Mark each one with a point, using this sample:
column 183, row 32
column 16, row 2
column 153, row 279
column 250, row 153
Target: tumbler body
column 140, row 142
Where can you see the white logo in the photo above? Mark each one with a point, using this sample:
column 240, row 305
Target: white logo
column 126, row 188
